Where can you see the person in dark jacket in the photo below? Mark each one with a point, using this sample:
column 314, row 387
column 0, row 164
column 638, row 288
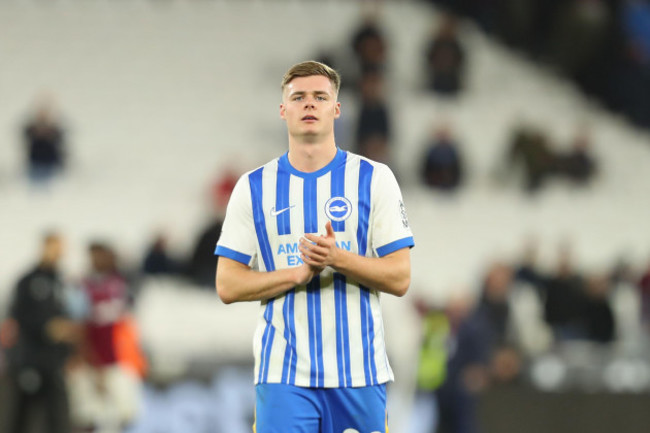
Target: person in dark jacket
column 597, row 315
column 373, row 121
column 45, row 144
column 443, row 166
column 564, row 299
column 445, row 59
column 42, row 337
column 203, row 266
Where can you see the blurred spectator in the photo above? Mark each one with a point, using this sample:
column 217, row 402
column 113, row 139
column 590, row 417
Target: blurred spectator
column 597, row 314
column 431, row 370
column 564, row 298
column 578, row 165
column 157, row 260
column 480, row 350
column 530, row 152
column 39, row 335
column 370, row 47
column 443, row 165
column 445, row 59
column 105, row 392
column 492, row 309
column 202, row 265
column 44, row 144
column 373, row 125
column 494, row 316
column 467, row 370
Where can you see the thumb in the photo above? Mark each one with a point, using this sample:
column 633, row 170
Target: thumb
column 329, row 229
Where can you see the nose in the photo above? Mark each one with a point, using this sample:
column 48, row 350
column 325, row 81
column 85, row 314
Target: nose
column 309, row 102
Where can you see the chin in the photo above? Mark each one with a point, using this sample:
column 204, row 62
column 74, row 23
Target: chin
column 309, row 137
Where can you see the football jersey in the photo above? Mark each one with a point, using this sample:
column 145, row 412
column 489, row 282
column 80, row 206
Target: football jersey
column 329, row 332
column 107, row 295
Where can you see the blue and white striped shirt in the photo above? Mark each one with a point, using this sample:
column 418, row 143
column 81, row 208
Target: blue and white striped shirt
column 328, row 333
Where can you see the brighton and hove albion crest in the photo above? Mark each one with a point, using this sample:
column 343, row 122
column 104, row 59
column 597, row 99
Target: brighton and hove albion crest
column 338, row 208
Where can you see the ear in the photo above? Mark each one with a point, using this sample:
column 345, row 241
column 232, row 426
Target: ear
column 283, row 110
column 337, row 110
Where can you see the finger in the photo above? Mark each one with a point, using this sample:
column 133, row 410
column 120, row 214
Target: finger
column 313, row 257
column 329, row 229
column 311, row 248
column 314, row 250
column 312, row 245
column 312, row 238
column 311, row 262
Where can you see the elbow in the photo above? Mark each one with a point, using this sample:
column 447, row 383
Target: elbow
column 225, row 295
column 401, row 286
column 224, row 291
column 400, row 275
column 224, row 280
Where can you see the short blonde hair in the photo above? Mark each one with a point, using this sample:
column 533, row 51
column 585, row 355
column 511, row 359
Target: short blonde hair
column 310, row 68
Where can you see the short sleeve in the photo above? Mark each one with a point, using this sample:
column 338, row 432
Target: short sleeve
column 390, row 230
column 238, row 241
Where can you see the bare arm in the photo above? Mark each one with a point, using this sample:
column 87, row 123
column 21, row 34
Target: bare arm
column 389, row 274
column 236, row 282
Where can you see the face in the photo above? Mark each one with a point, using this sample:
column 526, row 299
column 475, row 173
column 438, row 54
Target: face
column 100, row 259
column 53, row 250
column 309, row 107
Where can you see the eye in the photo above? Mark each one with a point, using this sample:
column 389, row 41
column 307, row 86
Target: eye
column 297, row 98
column 321, row 98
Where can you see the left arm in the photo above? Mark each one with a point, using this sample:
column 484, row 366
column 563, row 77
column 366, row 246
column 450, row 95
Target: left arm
column 389, row 274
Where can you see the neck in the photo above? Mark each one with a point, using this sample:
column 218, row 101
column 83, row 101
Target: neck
column 308, row 156
column 47, row 265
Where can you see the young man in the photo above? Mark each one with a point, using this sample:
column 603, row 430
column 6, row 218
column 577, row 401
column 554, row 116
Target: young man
column 315, row 236
column 43, row 338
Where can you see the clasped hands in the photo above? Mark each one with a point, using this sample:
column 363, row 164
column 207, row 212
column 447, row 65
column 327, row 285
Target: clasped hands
column 317, row 252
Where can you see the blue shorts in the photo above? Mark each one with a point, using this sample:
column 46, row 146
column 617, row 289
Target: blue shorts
column 283, row 408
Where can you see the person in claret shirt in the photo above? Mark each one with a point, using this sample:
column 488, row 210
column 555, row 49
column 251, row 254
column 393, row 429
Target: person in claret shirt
column 105, row 392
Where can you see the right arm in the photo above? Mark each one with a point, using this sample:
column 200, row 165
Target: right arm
column 236, row 282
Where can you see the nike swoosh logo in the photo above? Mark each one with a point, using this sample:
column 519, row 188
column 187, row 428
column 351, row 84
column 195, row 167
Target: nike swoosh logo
column 278, row 212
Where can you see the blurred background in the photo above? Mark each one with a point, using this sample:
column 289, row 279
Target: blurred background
column 519, row 131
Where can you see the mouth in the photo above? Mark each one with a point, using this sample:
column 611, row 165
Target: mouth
column 309, row 118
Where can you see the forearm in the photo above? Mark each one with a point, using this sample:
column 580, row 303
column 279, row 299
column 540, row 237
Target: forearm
column 389, row 274
column 238, row 283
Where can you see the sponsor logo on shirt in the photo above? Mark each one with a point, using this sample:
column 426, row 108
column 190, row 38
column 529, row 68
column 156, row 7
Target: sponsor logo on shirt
column 275, row 213
column 338, row 208
column 402, row 211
